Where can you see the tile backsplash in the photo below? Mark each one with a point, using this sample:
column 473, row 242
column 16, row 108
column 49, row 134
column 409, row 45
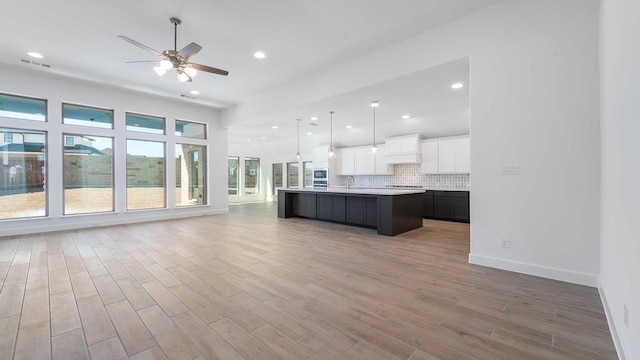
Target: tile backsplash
column 409, row 175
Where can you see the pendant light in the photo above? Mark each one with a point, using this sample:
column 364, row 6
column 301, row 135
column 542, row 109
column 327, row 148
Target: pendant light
column 374, row 148
column 332, row 152
column 297, row 157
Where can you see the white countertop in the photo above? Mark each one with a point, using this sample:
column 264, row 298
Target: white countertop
column 344, row 190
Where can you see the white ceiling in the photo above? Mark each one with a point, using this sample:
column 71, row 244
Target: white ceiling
column 434, row 109
column 300, row 37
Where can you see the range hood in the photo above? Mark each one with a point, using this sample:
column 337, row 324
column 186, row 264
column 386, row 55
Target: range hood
column 403, row 150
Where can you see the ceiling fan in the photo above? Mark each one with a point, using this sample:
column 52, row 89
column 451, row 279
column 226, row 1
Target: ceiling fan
column 174, row 59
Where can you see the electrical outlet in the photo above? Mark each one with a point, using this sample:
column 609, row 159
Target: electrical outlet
column 626, row 315
column 509, row 169
column 505, row 243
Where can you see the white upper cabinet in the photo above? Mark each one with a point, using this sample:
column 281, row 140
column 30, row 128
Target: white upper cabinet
column 361, row 161
column 403, row 149
column 382, row 168
column 346, row 161
column 446, row 156
column 429, row 163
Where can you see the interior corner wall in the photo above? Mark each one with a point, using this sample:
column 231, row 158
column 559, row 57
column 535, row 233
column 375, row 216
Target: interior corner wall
column 620, row 197
column 534, row 101
column 56, row 90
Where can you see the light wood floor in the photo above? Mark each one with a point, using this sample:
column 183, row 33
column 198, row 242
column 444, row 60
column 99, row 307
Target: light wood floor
column 247, row 285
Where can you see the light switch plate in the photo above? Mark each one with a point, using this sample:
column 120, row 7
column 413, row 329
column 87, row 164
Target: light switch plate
column 509, row 169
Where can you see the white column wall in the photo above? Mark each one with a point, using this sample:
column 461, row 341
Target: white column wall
column 56, row 90
column 534, row 102
column 620, row 198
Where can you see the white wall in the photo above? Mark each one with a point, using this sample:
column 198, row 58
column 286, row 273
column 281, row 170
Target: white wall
column 56, row 90
column 534, row 102
column 620, row 197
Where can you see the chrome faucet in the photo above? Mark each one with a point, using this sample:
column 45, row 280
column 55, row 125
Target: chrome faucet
column 350, row 181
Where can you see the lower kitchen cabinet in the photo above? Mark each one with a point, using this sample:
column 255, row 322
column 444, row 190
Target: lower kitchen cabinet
column 362, row 211
column 332, row 208
column 304, row 205
column 446, row 205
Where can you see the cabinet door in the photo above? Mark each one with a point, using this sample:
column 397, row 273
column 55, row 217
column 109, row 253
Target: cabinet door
column 429, row 158
column 364, row 161
column 446, row 156
column 356, row 210
column 463, row 155
column 382, row 168
column 427, row 206
column 460, row 209
column 347, row 161
column 325, row 208
column 443, row 207
column 338, row 208
column 371, row 212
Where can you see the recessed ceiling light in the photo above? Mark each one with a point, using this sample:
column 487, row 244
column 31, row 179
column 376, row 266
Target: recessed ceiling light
column 259, row 55
column 195, row 92
column 349, row 126
column 35, row 55
column 314, row 118
column 274, row 127
column 248, row 140
column 264, row 137
column 457, row 85
column 405, row 116
column 309, row 133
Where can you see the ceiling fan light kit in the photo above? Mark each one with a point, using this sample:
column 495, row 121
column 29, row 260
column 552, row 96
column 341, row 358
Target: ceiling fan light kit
column 174, row 59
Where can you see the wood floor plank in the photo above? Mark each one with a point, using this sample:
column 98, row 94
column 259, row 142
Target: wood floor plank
column 34, row 342
column 137, row 296
column 163, row 297
column 8, row 335
column 96, row 323
column 70, row 345
column 64, row 313
column 37, row 277
column 208, row 342
column 134, row 335
column 243, row 342
column 170, row 338
column 199, row 305
column 82, row 285
column 35, row 308
column 11, row 300
column 284, row 346
column 155, row 353
column 108, row 289
column 109, row 349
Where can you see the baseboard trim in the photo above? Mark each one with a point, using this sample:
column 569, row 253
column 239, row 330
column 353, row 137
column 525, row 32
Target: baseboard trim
column 536, row 270
column 617, row 342
column 41, row 225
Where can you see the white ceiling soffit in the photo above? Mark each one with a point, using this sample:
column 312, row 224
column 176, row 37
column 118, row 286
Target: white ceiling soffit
column 434, row 109
column 79, row 39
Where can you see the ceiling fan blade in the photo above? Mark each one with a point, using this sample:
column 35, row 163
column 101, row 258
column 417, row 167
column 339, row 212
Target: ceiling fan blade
column 208, row 69
column 142, row 46
column 189, row 50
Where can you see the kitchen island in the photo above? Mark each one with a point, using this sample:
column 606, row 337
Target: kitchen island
column 390, row 212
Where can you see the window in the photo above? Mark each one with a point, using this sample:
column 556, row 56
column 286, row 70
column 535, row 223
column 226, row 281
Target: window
column 308, row 174
column 292, row 174
column 17, row 107
column 87, row 116
column 88, row 174
column 22, row 184
column 276, row 171
column 145, row 123
column 251, row 176
column 190, row 174
column 191, row 129
column 145, row 174
column 234, row 164
column 8, row 137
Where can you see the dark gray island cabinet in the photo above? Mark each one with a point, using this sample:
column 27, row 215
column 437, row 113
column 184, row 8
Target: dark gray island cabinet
column 390, row 212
